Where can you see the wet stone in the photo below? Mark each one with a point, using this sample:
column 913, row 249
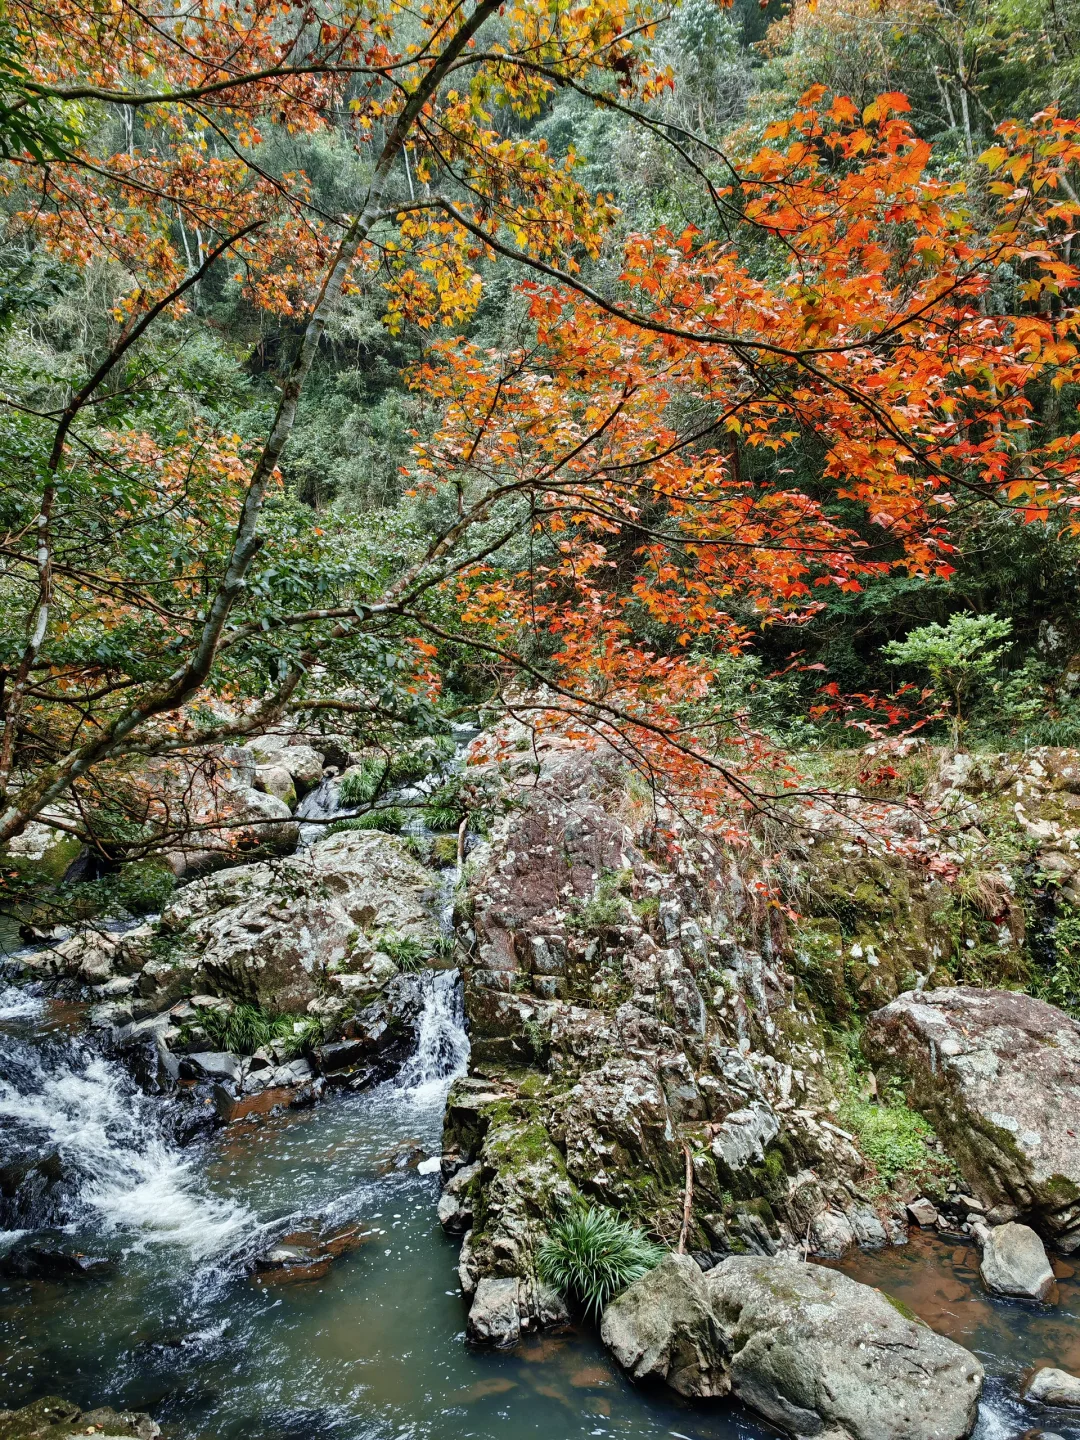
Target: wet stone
column 53, row 1257
column 306, row 1253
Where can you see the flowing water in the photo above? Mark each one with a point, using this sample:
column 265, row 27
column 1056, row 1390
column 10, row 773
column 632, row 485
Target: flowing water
column 372, row 1350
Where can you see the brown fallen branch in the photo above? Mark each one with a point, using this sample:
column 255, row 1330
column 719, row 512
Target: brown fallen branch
column 688, row 1199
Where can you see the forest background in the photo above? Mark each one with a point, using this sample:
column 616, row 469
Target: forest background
column 642, row 148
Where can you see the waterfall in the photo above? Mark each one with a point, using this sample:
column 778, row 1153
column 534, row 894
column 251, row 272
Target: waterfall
column 442, row 1050
column 17, row 1003
column 61, row 1099
column 321, row 804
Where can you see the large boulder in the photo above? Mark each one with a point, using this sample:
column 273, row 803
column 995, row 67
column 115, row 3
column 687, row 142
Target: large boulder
column 1014, row 1262
column 662, row 1327
column 302, row 765
column 997, row 1073
column 284, row 935
column 818, row 1353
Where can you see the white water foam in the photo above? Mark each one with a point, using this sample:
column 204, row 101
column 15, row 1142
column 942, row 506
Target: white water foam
column 17, row 1004
column 107, row 1133
column 442, row 1050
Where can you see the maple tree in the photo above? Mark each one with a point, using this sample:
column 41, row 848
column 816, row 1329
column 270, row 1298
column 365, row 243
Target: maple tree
column 879, row 335
column 595, row 531
column 202, row 80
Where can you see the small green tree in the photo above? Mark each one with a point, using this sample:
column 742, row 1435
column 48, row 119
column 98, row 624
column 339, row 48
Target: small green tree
column 960, row 657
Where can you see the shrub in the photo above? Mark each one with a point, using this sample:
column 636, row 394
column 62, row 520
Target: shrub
column 406, row 953
column 390, row 820
column 959, row 656
column 245, row 1029
column 592, row 1254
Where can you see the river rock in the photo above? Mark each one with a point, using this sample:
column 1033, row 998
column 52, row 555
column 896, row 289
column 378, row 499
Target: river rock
column 307, row 1251
column 495, row 1315
column 276, row 934
column 45, row 1256
column 923, row 1212
column 814, row 1351
column 301, row 763
column 1014, row 1262
column 35, row 1192
column 1054, row 1387
column 662, row 1327
column 54, row 1419
column 455, row 1202
column 275, row 780
column 997, row 1073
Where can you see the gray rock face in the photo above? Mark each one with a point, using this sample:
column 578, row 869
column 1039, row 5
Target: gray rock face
column 277, row 934
column 1014, row 1262
column 998, row 1075
column 817, row 1353
column 495, row 1317
column 663, row 1328
column 1054, row 1387
column 455, row 1203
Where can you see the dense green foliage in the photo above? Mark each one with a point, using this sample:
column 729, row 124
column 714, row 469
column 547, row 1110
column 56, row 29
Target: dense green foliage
column 592, row 1254
column 243, row 1029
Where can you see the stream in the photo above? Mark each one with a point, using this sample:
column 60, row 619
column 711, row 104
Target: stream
column 374, row 1348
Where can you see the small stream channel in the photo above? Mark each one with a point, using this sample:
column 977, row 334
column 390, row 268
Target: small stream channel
column 374, row 1349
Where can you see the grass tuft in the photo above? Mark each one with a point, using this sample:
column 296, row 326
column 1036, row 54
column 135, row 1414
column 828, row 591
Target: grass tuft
column 390, row 821
column 245, row 1029
column 592, row 1254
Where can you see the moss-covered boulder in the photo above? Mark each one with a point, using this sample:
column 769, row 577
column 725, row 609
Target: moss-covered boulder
column 997, row 1073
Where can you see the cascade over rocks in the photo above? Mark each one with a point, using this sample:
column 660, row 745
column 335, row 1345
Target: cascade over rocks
column 998, row 1075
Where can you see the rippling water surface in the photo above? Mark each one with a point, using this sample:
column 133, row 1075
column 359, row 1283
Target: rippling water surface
column 374, row 1350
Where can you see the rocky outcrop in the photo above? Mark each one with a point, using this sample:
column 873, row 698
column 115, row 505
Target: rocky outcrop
column 1013, row 1262
column 298, row 934
column 817, row 1353
column 54, row 1419
column 621, row 1020
column 998, row 1075
column 664, row 1328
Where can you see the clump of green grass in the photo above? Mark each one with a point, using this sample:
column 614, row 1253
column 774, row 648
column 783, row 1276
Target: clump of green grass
column 591, row 1254
column 390, row 820
column 407, row 954
column 245, row 1029
column 360, row 786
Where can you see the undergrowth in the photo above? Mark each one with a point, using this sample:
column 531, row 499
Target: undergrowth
column 591, row 1254
column 245, row 1029
column 391, row 821
column 896, row 1139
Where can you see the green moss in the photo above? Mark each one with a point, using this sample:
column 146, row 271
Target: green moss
column 900, row 1307
column 895, row 1139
